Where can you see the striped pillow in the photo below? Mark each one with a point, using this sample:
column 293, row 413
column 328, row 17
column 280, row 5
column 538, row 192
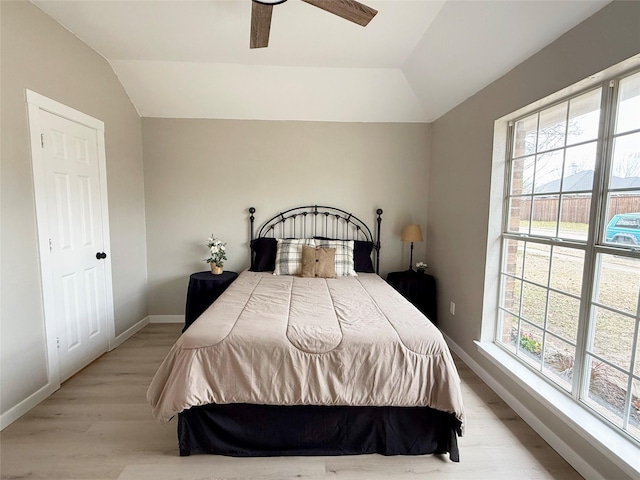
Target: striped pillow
column 344, row 256
column 289, row 255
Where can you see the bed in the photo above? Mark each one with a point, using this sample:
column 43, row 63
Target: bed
column 311, row 354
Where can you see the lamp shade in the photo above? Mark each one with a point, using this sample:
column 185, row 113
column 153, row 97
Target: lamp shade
column 411, row 233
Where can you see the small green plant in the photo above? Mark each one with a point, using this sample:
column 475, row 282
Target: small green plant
column 530, row 344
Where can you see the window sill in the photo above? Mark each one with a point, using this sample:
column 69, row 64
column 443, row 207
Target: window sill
column 615, row 445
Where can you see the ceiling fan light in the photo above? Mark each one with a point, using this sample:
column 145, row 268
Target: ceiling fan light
column 269, row 2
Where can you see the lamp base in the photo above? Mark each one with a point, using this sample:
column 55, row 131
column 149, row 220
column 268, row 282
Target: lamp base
column 411, row 258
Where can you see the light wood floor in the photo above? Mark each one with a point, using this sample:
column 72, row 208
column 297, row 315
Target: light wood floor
column 99, row 426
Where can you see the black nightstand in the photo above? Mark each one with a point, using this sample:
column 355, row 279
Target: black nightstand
column 419, row 289
column 204, row 288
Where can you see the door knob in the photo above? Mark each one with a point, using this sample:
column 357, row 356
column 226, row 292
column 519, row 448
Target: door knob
column 101, row 255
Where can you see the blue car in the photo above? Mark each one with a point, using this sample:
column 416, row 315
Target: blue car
column 624, row 228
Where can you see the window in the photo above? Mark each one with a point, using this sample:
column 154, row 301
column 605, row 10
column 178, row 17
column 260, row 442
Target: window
column 570, row 265
column 628, row 221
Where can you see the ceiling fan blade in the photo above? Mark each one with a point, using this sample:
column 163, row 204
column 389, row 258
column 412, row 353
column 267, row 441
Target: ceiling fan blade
column 260, row 24
column 350, row 10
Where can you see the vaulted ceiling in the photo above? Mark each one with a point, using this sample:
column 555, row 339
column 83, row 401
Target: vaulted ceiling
column 415, row 60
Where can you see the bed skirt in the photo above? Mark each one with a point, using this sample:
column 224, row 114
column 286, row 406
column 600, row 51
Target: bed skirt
column 245, row 430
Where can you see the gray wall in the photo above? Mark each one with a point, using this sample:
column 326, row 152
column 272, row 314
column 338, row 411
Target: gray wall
column 40, row 55
column 202, row 175
column 460, row 178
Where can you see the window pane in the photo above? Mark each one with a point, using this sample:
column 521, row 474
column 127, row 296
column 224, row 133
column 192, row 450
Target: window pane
column 580, row 163
column 617, row 283
column 511, row 292
column 548, row 172
column 513, row 257
column 567, row 265
column 607, row 390
column 522, row 175
column 625, row 170
column 508, row 330
column 534, row 302
column 613, row 337
column 519, row 213
column 574, row 217
column 530, row 344
column 524, row 141
column 544, row 215
column 553, row 126
column 584, row 117
column 634, row 414
column 558, row 361
column 623, row 214
column 636, row 369
column 563, row 315
column 536, row 263
column 629, row 104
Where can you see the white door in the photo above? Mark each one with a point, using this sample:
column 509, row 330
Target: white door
column 71, row 175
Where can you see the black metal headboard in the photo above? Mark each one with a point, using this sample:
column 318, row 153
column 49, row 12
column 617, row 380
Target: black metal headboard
column 319, row 221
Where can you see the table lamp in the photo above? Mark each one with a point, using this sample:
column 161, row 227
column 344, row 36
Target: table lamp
column 411, row 233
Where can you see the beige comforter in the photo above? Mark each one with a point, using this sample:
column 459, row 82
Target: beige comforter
column 283, row 340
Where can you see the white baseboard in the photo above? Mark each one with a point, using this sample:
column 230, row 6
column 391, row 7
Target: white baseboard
column 128, row 333
column 559, row 445
column 166, row 318
column 14, row 413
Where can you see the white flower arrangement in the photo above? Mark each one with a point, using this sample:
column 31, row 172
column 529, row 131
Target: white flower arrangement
column 421, row 266
column 217, row 251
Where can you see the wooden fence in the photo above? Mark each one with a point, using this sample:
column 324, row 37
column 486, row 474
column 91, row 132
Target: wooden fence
column 575, row 209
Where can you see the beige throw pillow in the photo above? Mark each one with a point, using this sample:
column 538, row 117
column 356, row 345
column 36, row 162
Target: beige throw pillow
column 318, row 262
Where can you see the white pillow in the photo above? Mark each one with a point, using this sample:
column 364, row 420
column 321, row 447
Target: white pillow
column 344, row 256
column 289, row 255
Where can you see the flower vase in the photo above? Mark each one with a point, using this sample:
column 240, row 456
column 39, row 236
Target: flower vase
column 216, row 270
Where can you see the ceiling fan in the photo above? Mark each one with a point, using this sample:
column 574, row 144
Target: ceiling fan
column 261, row 11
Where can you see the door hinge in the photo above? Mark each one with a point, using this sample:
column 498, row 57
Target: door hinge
column 58, row 342
column 50, row 245
column 42, row 140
